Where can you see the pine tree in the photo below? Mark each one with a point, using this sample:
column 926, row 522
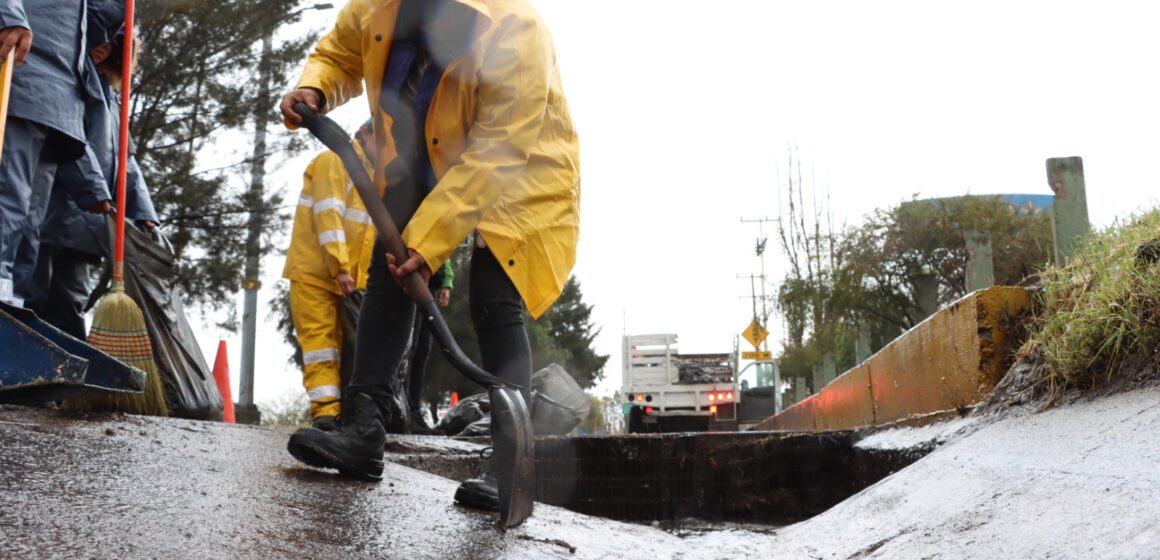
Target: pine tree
column 194, row 96
column 570, row 324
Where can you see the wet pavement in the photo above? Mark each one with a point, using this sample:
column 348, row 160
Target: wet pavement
column 1079, row 481
column 135, row 487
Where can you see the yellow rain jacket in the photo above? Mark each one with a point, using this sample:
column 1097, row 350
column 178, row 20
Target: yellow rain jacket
column 332, row 231
column 499, row 136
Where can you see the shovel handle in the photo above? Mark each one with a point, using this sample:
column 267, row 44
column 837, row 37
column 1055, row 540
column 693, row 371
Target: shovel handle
column 335, row 138
column 6, row 66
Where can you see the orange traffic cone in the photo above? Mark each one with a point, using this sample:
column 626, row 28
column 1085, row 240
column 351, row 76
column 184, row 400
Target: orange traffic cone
column 221, row 375
column 454, row 398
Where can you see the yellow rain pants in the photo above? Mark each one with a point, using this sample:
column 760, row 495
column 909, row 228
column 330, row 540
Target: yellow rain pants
column 316, row 322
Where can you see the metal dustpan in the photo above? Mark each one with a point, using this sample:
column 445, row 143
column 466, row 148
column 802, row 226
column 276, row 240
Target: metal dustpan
column 511, row 422
column 40, row 363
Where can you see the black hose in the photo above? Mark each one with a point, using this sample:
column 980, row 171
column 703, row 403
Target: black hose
column 335, row 138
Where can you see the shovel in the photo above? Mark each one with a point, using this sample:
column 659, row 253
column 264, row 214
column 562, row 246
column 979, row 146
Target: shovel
column 511, row 421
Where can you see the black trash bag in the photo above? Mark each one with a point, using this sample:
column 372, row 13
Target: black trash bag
column 469, row 411
column 558, row 406
column 151, row 281
column 479, row 428
column 558, row 402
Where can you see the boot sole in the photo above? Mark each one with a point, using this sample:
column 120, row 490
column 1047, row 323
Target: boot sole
column 370, row 470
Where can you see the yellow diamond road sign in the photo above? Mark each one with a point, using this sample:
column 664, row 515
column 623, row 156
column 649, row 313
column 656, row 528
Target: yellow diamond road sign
column 755, row 333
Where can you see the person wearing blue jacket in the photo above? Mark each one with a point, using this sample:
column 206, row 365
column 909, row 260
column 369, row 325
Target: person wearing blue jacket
column 72, row 240
column 45, row 123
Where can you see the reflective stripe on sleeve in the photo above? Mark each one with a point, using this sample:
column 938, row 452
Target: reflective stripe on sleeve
column 330, row 236
column 329, row 204
column 356, row 215
column 323, row 355
column 305, row 201
column 325, row 391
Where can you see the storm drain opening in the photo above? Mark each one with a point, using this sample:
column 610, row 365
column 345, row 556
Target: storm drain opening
column 750, row 478
column 681, row 480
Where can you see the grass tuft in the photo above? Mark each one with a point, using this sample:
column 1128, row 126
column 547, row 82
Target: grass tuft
column 1100, row 309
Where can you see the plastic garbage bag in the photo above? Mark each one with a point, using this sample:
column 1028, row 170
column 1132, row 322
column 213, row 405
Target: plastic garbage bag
column 151, row 280
column 558, row 402
column 558, row 406
column 462, row 415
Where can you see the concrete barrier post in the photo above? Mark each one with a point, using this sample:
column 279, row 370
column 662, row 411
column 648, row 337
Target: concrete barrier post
column 799, row 389
column 829, row 368
column 926, row 294
column 980, row 262
column 819, row 378
column 862, row 344
column 1069, row 210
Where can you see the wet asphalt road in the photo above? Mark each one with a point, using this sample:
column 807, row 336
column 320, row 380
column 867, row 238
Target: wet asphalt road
column 135, row 487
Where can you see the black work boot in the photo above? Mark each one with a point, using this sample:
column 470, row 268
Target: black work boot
column 479, row 493
column 355, row 448
column 418, row 425
column 483, row 492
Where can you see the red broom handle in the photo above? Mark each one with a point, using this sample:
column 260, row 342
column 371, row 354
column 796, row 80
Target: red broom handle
column 123, row 147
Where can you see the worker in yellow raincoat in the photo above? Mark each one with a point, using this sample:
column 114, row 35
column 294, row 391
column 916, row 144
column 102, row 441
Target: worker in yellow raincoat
column 474, row 135
column 330, row 250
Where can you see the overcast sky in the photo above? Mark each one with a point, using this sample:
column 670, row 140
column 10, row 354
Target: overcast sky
column 686, row 111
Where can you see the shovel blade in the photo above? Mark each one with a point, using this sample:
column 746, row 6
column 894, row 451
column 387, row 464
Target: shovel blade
column 512, row 442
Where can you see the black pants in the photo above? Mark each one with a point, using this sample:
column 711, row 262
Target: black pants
column 387, row 318
column 420, row 351
column 61, row 288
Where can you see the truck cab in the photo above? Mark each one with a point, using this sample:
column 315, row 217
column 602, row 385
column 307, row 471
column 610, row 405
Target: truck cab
column 759, row 387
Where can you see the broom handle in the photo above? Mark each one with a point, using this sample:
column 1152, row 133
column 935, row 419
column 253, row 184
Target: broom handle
column 123, row 148
column 5, row 88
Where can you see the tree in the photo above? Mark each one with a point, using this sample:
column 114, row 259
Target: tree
column 804, row 296
column 194, row 97
column 866, row 278
column 882, row 258
column 570, row 324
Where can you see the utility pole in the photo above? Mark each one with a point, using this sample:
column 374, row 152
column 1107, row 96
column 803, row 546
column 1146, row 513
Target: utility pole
column 246, row 411
column 759, row 249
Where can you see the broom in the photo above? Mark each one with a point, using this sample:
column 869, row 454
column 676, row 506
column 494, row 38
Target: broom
column 118, row 324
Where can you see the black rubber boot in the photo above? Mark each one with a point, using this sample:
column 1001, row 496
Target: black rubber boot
column 355, row 448
column 479, row 493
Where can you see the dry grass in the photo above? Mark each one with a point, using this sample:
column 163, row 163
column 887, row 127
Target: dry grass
column 1101, row 309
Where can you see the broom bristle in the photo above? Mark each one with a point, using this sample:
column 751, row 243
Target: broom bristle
column 119, row 331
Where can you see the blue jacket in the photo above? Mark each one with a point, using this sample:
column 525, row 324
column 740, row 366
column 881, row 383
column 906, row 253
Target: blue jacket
column 48, row 88
column 91, row 178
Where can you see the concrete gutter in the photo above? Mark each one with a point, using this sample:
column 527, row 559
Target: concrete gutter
column 942, row 367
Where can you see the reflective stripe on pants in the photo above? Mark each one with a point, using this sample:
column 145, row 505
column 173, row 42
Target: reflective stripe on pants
column 316, row 324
